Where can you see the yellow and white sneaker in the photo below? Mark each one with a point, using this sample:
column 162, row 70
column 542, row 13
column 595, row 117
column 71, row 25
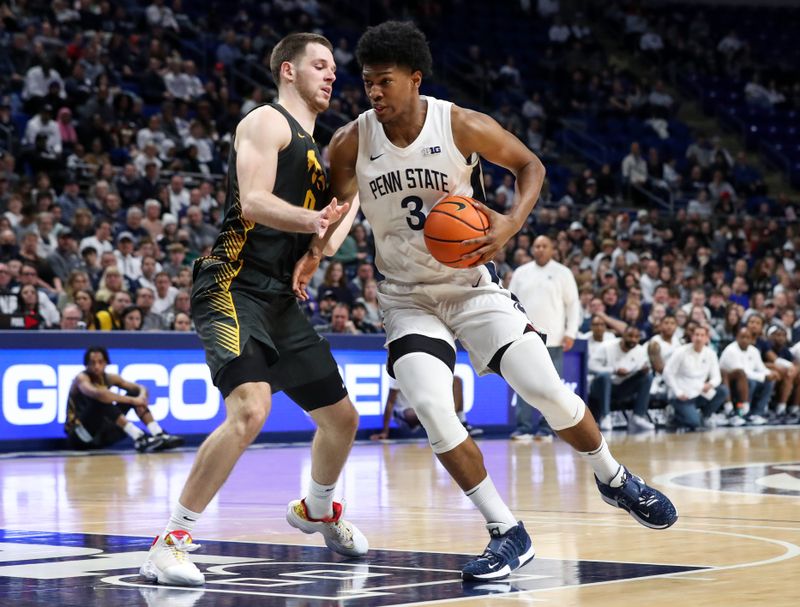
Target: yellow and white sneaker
column 340, row 535
column 167, row 562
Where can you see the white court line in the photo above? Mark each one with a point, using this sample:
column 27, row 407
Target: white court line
column 667, row 480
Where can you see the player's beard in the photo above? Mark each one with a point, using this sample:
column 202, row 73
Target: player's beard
column 310, row 93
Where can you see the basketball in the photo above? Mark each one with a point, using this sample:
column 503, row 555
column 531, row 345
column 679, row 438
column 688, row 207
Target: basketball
column 450, row 222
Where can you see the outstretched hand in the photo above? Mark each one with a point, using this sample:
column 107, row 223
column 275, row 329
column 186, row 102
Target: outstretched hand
column 329, row 216
column 501, row 229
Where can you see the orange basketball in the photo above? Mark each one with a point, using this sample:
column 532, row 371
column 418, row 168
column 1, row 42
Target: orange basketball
column 450, row 222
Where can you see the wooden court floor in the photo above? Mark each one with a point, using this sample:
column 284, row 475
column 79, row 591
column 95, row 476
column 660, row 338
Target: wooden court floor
column 737, row 541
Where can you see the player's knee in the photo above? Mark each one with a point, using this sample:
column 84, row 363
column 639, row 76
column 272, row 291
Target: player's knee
column 250, row 419
column 348, row 420
column 248, row 407
column 445, row 432
column 564, row 411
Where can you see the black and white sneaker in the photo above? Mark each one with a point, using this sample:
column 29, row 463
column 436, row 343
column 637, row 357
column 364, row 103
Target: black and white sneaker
column 170, row 440
column 504, row 554
column 648, row 506
column 148, row 444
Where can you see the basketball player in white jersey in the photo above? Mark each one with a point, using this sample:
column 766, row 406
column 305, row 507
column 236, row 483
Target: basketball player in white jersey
column 401, row 157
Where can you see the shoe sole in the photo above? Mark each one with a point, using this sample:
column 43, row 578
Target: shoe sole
column 153, row 574
column 504, row 572
column 636, row 517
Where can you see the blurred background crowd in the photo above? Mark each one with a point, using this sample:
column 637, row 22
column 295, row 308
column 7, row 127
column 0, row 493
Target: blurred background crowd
column 116, row 122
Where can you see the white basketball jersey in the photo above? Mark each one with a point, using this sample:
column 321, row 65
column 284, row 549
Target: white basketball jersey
column 399, row 186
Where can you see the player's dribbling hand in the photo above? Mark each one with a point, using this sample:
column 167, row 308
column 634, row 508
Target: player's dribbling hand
column 329, row 216
column 501, row 229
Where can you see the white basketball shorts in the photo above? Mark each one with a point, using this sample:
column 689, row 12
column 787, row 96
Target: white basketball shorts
column 483, row 316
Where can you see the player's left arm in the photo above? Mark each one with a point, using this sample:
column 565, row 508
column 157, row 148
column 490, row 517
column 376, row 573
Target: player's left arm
column 477, row 132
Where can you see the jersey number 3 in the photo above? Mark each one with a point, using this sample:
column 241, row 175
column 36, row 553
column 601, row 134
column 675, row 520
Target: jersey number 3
column 416, row 218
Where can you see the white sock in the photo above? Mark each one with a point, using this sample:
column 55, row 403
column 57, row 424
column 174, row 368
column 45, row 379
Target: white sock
column 491, row 506
column 153, row 428
column 319, row 501
column 605, row 467
column 181, row 518
column 132, row 431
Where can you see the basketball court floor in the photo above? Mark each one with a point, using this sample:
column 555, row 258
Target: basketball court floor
column 74, row 530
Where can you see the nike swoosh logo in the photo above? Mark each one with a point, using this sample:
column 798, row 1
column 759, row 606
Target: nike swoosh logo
column 376, row 157
column 191, row 520
column 478, row 282
column 301, row 136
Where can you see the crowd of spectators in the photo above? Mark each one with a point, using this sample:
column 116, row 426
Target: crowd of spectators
column 113, row 183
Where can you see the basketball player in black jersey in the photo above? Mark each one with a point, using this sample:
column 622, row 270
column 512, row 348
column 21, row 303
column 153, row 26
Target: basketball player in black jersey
column 256, row 337
column 96, row 415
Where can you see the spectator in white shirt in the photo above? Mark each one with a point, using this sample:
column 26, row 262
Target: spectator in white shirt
column 178, row 196
column 40, row 124
column 596, row 337
column 101, row 241
column 622, row 372
column 165, row 294
column 649, row 280
column 153, row 133
column 548, row 293
column 159, row 15
column 129, row 264
column 660, row 349
column 634, row 166
column 747, row 378
column 694, row 381
column 38, row 80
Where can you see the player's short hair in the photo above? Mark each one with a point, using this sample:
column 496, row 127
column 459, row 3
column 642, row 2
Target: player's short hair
column 95, row 350
column 395, row 42
column 291, row 48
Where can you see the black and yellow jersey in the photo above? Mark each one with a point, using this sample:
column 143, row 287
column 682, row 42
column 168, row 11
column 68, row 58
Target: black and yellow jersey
column 254, row 257
column 78, row 404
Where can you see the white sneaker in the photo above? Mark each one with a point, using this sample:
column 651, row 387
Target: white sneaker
column 168, row 564
column 756, row 420
column 641, row 423
column 736, row 421
column 720, row 420
column 605, row 423
column 340, row 535
column 155, row 596
column 618, row 419
column 521, row 437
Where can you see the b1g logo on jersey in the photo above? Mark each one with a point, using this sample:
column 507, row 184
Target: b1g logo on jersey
column 430, row 151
